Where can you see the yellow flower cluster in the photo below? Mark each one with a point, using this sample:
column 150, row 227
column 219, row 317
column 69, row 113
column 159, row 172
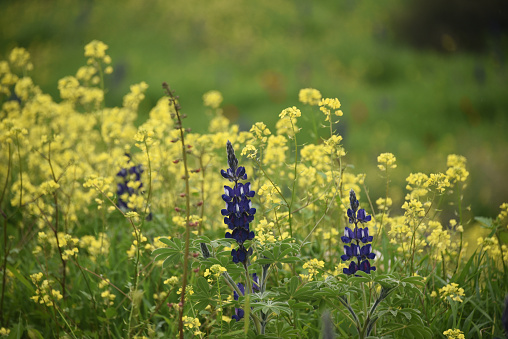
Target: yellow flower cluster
column 491, row 246
column 135, row 96
column 214, row 271
column 454, row 334
column 328, row 235
column 453, row 291
column 96, row 246
column 107, row 296
column 275, row 152
column 309, row 96
column 192, row 324
column 269, row 194
column 45, row 294
column 20, row 58
column 188, row 292
column 384, row 203
column 456, row 171
column 212, row 99
column 439, row 239
column 260, row 131
column 385, row 161
column 4, row 332
column 250, row 151
column 313, row 267
column 327, row 105
column 172, row 281
column 503, row 214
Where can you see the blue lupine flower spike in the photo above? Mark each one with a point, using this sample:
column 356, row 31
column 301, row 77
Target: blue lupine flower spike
column 124, row 190
column 358, row 248
column 238, row 213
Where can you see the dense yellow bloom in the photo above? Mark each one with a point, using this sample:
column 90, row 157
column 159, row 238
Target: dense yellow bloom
column 386, row 160
column 260, row 131
column 192, row 324
column 383, row 203
column 312, row 266
column 327, row 105
column 275, row 152
column 309, row 96
column 250, row 151
column 96, row 49
column 95, row 246
column 264, row 232
column 136, row 95
column 269, row 193
column 212, row 99
column 439, row 180
column 291, row 112
column 456, row 168
column 453, row 291
column 4, row 332
column 503, row 214
column 454, row 334
column 172, row 281
column 214, row 271
column 20, row 58
column 45, row 294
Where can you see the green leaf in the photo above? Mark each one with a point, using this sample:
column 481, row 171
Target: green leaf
column 202, row 284
column 166, row 241
column 21, row 278
column 111, row 312
column 486, row 222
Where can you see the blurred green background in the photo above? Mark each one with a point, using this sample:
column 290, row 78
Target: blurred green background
column 420, row 79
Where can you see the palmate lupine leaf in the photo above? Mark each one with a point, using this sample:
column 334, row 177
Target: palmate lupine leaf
column 270, row 306
column 281, row 252
column 172, row 254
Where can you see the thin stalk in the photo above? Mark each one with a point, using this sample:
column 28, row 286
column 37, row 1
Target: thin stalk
column 202, row 210
column 103, row 279
column 149, row 180
column 55, row 229
column 295, row 179
column 4, row 267
column 413, row 237
column 172, row 101
column 20, row 172
column 6, row 248
column 136, row 279
column 9, row 164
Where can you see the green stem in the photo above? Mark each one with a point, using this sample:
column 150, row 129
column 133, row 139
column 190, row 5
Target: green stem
column 20, row 172
column 136, row 281
column 176, row 105
column 295, row 179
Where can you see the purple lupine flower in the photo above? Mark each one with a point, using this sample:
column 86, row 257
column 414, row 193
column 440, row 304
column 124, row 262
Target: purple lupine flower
column 124, row 177
column 359, row 238
column 239, row 312
column 238, row 213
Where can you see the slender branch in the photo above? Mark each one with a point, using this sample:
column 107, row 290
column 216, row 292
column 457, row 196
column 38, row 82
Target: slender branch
column 176, row 105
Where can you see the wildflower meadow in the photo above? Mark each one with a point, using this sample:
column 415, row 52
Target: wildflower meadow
column 113, row 228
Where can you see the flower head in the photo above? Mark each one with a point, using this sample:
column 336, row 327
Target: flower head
column 357, row 239
column 238, row 213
